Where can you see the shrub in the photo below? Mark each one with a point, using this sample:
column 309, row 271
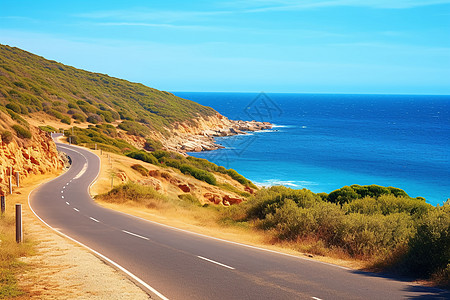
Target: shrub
column 144, row 156
column 198, row 174
column 152, row 145
column 388, row 204
column 130, row 191
column 350, row 193
column 141, row 169
column 7, row 137
column 238, row 177
column 15, row 107
column 94, row 119
column 429, row 250
column 65, row 120
column 134, row 128
column 22, row 132
column 79, row 117
column 47, row 128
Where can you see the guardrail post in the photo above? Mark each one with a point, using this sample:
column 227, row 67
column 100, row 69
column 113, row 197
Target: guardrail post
column 10, row 185
column 3, row 204
column 95, row 147
column 17, row 179
column 19, row 233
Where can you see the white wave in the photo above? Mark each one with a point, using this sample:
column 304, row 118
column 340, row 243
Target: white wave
column 287, row 183
column 267, row 130
column 283, row 126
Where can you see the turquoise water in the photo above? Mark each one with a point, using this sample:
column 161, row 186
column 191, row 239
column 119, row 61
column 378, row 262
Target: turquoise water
column 323, row 142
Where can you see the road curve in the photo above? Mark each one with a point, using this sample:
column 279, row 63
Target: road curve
column 183, row 265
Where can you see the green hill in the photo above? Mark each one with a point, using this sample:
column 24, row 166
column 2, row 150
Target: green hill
column 30, row 83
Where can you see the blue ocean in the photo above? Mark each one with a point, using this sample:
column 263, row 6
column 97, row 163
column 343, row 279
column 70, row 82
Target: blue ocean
column 323, row 142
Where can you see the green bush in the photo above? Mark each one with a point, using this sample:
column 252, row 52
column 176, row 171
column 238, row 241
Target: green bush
column 22, row 132
column 65, row 120
column 388, row 204
column 7, row 137
column 130, row 191
column 348, row 194
column 134, row 128
column 141, row 169
column 94, row 119
column 79, row 117
column 47, row 128
column 15, row 107
column 144, row 156
column 198, row 174
column 429, row 249
column 300, row 214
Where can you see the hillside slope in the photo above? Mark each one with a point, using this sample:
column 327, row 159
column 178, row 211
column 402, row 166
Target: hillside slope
column 30, row 83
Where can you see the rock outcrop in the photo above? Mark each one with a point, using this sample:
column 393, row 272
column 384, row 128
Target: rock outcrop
column 199, row 134
column 37, row 155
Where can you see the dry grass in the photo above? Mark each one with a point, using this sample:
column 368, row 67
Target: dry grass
column 10, row 251
column 48, row 266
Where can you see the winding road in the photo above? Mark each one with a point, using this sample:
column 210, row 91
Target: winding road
column 171, row 263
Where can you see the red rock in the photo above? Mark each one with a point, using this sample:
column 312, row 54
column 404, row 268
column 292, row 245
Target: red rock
column 185, row 188
column 249, row 190
column 232, row 200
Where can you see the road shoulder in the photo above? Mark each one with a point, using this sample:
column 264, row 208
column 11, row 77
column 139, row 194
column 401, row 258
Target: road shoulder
column 61, row 269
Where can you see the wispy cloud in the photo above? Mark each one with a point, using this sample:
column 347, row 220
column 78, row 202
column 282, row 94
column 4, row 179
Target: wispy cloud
column 152, row 15
column 156, row 25
column 289, row 5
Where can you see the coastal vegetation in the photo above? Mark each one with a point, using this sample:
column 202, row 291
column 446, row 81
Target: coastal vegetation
column 30, row 84
column 380, row 226
column 199, row 168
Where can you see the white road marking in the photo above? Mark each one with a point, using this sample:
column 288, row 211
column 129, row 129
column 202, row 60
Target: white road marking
column 62, row 197
column 234, row 243
column 82, row 171
column 67, row 203
column 64, row 187
column 215, row 262
column 136, row 235
column 75, row 209
column 95, row 220
column 67, row 183
column 315, row 298
column 62, row 192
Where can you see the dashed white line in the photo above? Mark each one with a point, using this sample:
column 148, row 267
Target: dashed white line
column 136, row 235
column 64, row 187
column 67, row 203
column 75, row 209
column 95, row 220
column 215, row 262
column 67, row 183
column 62, row 197
column 315, row 298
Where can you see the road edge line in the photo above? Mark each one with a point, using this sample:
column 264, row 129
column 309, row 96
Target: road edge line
column 150, row 289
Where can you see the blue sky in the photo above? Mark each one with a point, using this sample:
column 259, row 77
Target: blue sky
column 325, row 46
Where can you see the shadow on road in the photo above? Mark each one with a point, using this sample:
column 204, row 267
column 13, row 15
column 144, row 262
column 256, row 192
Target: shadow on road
column 418, row 291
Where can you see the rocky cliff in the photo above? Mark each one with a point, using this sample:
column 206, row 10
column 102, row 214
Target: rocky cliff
column 36, row 155
column 199, row 134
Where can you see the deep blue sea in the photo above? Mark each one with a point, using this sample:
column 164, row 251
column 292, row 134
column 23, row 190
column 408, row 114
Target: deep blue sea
column 323, row 142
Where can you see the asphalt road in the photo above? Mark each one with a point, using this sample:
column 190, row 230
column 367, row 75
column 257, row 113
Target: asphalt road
column 183, row 265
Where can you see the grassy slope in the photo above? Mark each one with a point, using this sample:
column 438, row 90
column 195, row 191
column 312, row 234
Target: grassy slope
column 30, row 83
